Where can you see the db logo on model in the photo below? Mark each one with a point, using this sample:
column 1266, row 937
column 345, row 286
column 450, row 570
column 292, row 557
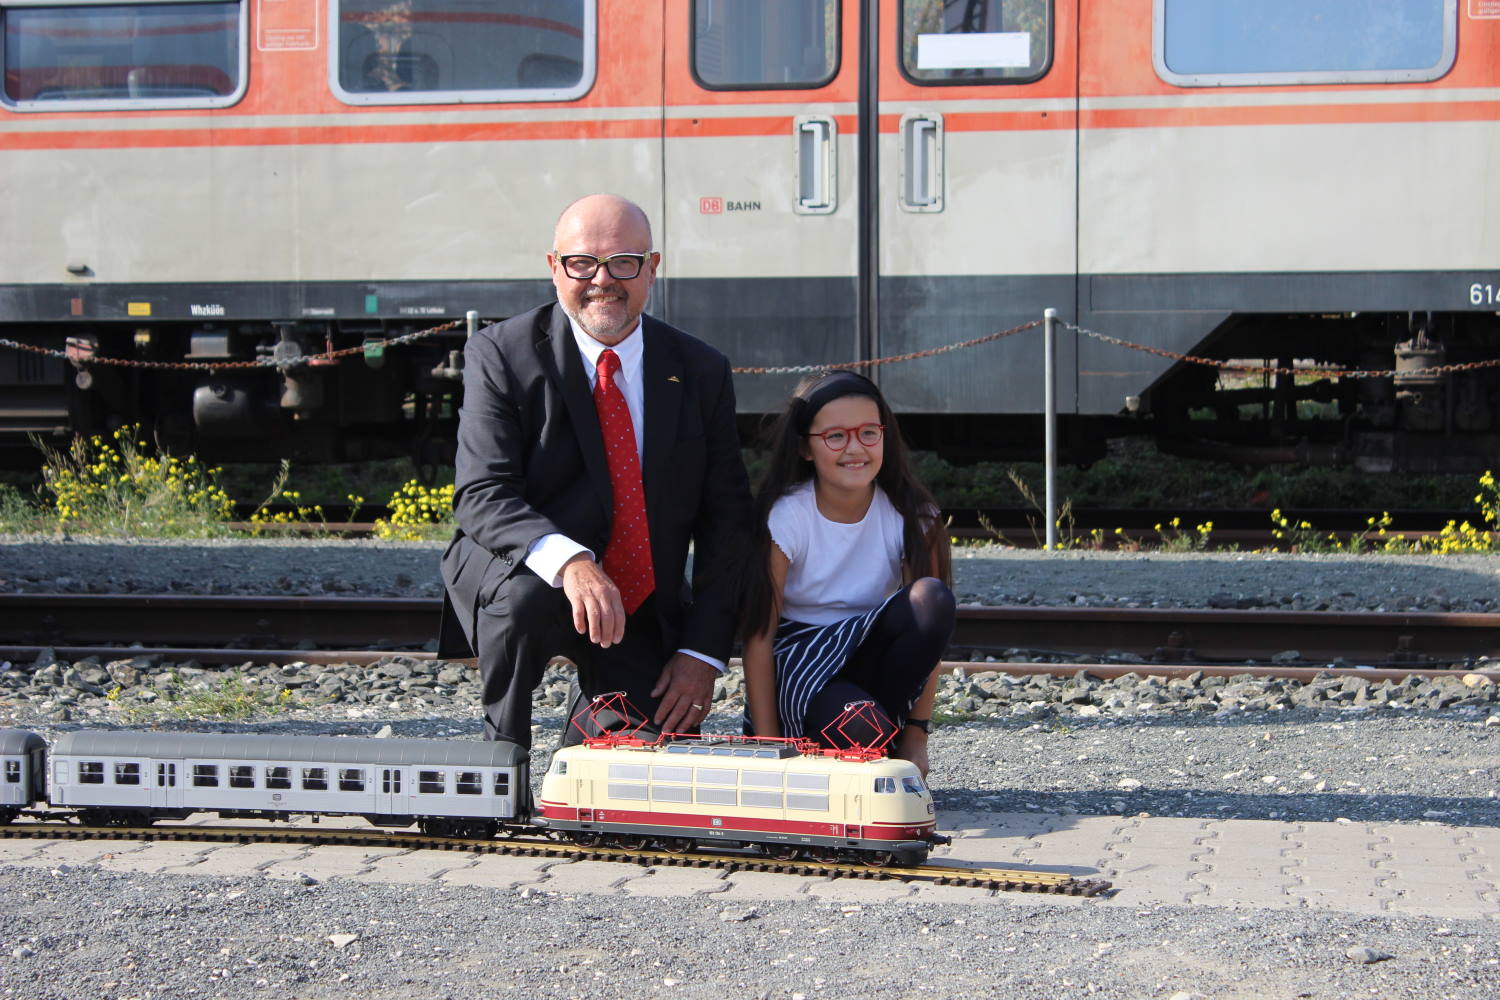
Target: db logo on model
column 710, row 206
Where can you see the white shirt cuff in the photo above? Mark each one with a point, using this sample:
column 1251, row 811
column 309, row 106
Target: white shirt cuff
column 549, row 553
column 718, row 665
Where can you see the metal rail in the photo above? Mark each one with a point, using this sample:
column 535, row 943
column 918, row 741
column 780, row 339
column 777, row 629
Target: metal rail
column 1009, row 879
column 255, row 625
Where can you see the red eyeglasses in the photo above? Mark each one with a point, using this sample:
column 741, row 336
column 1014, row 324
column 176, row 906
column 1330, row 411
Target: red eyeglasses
column 838, row 438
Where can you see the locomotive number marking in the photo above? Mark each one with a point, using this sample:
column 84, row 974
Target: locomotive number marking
column 1483, row 295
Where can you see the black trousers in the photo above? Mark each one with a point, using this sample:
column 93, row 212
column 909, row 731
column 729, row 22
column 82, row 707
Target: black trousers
column 527, row 624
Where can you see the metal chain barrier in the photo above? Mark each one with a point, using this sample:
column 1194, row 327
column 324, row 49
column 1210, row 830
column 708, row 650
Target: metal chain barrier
column 215, row 366
column 1227, row 366
column 872, row 362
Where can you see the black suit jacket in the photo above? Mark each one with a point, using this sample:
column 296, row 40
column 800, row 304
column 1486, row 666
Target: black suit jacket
column 531, row 462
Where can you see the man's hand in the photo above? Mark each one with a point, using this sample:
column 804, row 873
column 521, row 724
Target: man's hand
column 686, row 690
column 912, row 745
column 597, row 608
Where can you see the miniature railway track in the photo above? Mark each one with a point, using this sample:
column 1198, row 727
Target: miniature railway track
column 1008, row 879
column 240, row 628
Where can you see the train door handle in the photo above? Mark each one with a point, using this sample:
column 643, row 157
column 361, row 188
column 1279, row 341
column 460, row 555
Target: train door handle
column 817, row 164
column 921, row 186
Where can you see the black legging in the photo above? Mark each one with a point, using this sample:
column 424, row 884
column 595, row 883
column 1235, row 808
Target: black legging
column 890, row 667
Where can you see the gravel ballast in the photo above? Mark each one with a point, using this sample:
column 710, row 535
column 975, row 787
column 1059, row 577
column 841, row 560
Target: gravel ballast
column 1067, row 745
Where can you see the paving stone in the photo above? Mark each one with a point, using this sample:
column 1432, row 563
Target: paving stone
column 928, row 892
column 414, row 866
column 501, row 871
column 1157, row 882
column 860, row 890
column 1263, row 840
column 158, row 857
column 331, row 861
column 596, row 877
column 1425, row 848
column 1337, row 841
column 20, row 852
column 677, row 881
column 765, row 885
column 1078, row 847
column 85, row 852
column 249, row 859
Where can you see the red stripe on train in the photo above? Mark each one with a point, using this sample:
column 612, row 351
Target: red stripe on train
column 747, row 824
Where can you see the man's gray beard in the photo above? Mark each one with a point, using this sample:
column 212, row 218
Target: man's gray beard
column 591, row 329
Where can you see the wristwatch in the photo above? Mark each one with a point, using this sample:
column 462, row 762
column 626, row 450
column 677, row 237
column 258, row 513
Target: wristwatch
column 923, row 724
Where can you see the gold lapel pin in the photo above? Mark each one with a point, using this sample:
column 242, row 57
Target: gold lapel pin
column 673, row 378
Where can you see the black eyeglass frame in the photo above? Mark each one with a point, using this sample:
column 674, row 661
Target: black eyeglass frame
column 638, row 258
column 853, row 433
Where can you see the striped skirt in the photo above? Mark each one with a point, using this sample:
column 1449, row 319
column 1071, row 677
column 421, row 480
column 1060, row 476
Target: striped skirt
column 807, row 658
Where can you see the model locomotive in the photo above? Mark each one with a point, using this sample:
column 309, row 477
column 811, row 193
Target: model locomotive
column 784, row 798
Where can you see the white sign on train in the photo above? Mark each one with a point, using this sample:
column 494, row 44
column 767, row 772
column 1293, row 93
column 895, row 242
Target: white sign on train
column 1481, row 9
column 980, row 50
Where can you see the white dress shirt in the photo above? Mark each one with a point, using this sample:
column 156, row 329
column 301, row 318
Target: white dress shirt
column 549, row 553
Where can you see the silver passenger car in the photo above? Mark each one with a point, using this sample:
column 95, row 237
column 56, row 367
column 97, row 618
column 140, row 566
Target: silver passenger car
column 22, row 771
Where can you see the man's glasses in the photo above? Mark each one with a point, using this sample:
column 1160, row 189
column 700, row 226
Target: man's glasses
column 838, row 438
column 583, row 266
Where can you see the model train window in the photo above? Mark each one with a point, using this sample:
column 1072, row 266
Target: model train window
column 91, row 772
column 431, row 782
column 765, row 44
column 127, row 773
column 124, row 56
column 13, row 771
column 315, row 779
column 912, row 785
column 502, row 783
column 469, row 783
column 461, row 51
column 205, row 776
column 278, row 777
column 885, row 786
column 1207, row 43
column 351, row 779
column 166, row 775
column 943, row 42
column 241, row 776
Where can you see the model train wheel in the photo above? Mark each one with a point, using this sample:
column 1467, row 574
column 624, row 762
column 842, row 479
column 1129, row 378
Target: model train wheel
column 675, row 845
column 629, row 841
column 585, row 838
column 783, row 852
column 112, row 817
column 874, row 859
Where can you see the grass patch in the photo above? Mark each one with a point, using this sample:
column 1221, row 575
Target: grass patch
column 233, row 697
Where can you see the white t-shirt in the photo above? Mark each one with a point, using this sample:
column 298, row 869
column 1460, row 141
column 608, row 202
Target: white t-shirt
column 837, row 570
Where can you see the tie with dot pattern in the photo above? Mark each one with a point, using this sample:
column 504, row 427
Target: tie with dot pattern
column 627, row 557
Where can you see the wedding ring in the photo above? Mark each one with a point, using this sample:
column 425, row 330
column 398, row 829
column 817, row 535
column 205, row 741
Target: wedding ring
column 697, row 707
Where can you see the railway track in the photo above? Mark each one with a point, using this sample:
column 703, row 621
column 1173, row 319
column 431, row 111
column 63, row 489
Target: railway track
column 211, row 628
column 1007, row 879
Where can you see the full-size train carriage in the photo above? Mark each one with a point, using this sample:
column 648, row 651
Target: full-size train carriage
column 457, row 788
column 734, row 793
column 227, row 180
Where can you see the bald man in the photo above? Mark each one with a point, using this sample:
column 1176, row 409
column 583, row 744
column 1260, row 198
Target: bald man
column 595, row 444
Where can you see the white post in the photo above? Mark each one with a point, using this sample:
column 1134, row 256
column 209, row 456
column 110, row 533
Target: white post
column 1049, row 355
column 471, row 320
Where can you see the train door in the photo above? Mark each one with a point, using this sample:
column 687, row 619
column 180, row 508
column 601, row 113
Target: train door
column 761, row 221
column 976, row 202
column 391, row 793
column 166, row 792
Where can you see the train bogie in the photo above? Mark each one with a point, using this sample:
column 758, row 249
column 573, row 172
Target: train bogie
column 771, row 796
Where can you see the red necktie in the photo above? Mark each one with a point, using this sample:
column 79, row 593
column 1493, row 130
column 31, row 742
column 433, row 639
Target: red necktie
column 627, row 557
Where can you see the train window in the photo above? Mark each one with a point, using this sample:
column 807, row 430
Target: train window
column 148, row 54
column 765, row 44
column 469, row 783
column 885, row 786
column 660, row 773
column 315, row 779
column 975, row 43
column 758, row 799
column 502, row 783
column 628, row 772
column 768, row 779
column 1269, row 42
column 166, row 775
column 768, row 754
column 671, row 793
column 432, row 782
column 715, row 796
column 623, row 790
column 912, row 785
column 351, row 779
column 127, row 773
column 13, row 771
column 278, row 777
column 717, row 776
column 461, row 51
column 803, row 800
column 813, row 782
column 205, row 776
column 91, row 772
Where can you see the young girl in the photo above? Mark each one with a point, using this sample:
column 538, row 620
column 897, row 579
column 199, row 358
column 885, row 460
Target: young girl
column 848, row 597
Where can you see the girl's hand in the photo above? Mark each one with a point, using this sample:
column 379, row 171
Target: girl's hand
column 912, row 745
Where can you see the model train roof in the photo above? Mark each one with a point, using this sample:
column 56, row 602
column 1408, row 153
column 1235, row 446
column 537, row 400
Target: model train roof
column 324, row 749
column 17, row 741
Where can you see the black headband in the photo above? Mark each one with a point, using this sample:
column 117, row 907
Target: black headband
column 834, row 385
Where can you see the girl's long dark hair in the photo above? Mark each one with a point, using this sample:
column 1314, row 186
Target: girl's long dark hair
column 926, row 551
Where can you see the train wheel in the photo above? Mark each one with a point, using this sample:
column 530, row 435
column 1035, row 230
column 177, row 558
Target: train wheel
column 585, row 838
column 675, row 845
column 111, row 817
column 783, row 852
column 630, row 842
column 874, row 859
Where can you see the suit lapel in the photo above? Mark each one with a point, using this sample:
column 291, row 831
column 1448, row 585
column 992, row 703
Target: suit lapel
column 564, row 368
column 662, row 374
